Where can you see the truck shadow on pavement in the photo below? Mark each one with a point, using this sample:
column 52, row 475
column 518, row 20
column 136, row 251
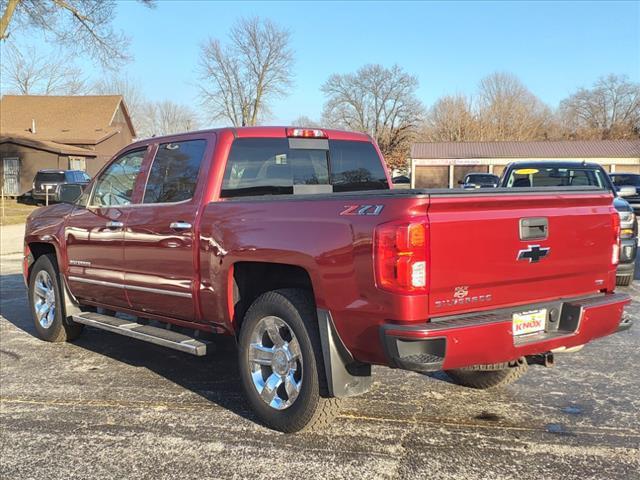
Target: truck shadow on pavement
column 214, row 377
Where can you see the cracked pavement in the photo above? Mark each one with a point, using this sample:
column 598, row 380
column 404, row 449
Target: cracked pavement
column 112, row 407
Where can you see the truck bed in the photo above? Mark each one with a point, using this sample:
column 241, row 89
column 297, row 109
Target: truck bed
column 473, row 247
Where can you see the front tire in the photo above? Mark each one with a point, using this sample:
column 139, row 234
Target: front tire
column 484, row 377
column 281, row 363
column 47, row 303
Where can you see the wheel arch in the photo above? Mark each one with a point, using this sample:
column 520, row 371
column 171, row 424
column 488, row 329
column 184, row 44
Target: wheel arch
column 38, row 249
column 250, row 279
column 345, row 376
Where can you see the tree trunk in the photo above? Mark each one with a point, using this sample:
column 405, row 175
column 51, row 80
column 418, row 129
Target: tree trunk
column 6, row 18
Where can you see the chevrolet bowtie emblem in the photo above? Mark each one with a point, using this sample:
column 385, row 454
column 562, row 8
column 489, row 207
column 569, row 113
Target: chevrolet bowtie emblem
column 534, row 253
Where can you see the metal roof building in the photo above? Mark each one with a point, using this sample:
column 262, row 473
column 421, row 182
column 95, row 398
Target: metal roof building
column 441, row 164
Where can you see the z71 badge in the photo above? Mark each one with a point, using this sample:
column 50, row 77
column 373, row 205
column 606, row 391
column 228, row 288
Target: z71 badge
column 362, row 210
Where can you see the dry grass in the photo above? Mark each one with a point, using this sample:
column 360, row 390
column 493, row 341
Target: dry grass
column 14, row 212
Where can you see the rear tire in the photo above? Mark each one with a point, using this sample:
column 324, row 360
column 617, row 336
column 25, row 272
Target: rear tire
column 489, row 376
column 47, row 302
column 280, row 345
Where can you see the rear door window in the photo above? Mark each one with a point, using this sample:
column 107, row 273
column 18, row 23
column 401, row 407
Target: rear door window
column 277, row 166
column 174, row 172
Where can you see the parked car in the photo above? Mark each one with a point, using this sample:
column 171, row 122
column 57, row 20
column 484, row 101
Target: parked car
column 622, row 181
column 480, row 180
column 50, row 180
column 560, row 174
column 401, row 179
column 291, row 241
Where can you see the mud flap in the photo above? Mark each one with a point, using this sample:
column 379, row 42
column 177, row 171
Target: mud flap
column 70, row 304
column 345, row 376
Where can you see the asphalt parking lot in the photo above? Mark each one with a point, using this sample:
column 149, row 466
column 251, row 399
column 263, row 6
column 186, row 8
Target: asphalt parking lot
column 111, row 407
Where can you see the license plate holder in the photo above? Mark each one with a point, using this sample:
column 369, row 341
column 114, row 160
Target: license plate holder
column 529, row 322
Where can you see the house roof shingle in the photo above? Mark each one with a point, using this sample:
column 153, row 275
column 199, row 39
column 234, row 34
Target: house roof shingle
column 48, row 146
column 62, row 119
column 544, row 149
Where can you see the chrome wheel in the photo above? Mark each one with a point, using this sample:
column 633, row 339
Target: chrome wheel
column 44, row 299
column 275, row 361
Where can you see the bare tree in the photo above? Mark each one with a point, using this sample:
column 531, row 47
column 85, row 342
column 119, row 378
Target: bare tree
column 304, row 121
column 379, row 101
column 241, row 78
column 131, row 92
column 507, row 110
column 83, row 26
column 166, row 117
column 149, row 118
column 29, row 73
column 450, row 119
column 608, row 110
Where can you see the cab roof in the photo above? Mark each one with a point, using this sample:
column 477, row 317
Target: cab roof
column 265, row 132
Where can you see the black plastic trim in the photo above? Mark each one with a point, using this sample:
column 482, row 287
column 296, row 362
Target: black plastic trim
column 423, row 193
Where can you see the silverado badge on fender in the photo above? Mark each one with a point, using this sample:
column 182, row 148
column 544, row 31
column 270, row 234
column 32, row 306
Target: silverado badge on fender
column 534, row 253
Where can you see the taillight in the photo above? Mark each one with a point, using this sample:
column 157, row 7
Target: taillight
column 615, row 250
column 400, row 256
column 306, row 133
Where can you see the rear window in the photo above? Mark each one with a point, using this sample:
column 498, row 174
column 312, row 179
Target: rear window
column 46, row 177
column 278, row 166
column 481, row 178
column 555, row 177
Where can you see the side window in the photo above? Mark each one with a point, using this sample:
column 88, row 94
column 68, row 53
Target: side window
column 174, row 172
column 115, row 185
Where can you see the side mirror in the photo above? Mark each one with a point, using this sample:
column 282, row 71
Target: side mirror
column 460, row 182
column 627, row 191
column 69, row 192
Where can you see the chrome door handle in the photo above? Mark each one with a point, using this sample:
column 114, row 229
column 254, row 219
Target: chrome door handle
column 180, row 226
column 115, row 224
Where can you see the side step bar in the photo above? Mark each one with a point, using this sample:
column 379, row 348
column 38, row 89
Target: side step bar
column 146, row 333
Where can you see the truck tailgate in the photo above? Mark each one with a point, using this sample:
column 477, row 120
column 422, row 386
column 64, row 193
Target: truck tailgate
column 480, row 256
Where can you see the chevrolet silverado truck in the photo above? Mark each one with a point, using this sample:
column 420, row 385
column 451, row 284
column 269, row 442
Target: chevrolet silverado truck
column 291, row 241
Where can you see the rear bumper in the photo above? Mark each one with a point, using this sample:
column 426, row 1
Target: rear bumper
column 486, row 338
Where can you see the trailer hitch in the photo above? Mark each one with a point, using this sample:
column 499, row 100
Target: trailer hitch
column 544, row 359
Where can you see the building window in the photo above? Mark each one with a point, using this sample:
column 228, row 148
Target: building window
column 11, row 176
column 77, row 163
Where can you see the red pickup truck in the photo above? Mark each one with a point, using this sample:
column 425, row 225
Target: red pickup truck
column 291, row 240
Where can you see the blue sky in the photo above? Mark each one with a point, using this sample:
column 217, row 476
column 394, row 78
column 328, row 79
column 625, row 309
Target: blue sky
column 554, row 47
